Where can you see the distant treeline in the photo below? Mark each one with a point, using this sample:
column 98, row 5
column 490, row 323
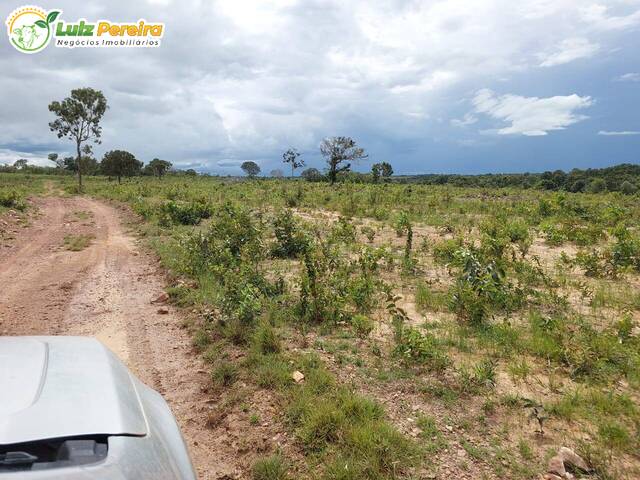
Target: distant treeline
column 624, row 177
column 91, row 167
column 620, row 178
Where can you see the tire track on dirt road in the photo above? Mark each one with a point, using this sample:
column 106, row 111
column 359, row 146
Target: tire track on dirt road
column 106, row 291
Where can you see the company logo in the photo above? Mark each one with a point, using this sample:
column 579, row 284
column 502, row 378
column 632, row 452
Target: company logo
column 31, row 29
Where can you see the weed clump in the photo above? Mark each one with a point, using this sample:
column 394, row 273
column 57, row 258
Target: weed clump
column 270, row 468
column 183, row 213
column 12, row 199
column 291, row 241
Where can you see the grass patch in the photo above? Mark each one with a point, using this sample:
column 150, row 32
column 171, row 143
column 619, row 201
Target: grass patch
column 76, row 243
column 270, row 468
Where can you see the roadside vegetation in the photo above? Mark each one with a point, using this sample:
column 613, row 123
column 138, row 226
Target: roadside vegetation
column 408, row 331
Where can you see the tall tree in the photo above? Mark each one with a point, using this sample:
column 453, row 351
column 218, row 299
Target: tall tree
column 20, row 163
column 311, row 174
column 292, row 157
column 386, row 170
column 250, row 168
column 339, row 152
column 158, row 168
column 79, row 120
column 376, row 171
column 119, row 163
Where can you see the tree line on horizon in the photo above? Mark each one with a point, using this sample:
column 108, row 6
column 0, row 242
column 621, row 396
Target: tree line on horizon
column 624, row 178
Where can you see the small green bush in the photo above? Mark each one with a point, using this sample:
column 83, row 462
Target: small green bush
column 183, row 214
column 270, row 468
column 12, row 199
column 362, row 325
column 424, row 349
column 290, row 239
column 224, row 374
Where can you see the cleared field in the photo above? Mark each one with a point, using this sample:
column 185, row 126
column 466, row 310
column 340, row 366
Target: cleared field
column 440, row 332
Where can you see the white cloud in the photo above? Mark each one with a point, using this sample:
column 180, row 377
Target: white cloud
column 628, row 77
column 531, row 116
column 468, row 119
column 8, row 157
column 597, row 16
column 615, row 134
column 569, row 50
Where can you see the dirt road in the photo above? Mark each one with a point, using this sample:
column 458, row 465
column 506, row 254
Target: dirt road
column 105, row 290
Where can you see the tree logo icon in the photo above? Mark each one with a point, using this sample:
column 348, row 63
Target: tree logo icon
column 30, row 28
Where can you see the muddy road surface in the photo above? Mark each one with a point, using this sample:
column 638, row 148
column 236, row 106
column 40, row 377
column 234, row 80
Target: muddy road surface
column 52, row 284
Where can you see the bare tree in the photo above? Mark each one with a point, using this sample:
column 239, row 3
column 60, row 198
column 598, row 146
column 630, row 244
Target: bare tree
column 292, row 157
column 339, row 152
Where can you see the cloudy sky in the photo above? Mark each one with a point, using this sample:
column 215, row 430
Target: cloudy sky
column 463, row 86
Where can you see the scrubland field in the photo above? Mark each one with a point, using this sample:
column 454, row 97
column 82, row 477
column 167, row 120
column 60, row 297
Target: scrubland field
column 398, row 331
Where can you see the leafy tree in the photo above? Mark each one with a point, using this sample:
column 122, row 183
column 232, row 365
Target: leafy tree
column 292, row 157
column 191, row 172
column 628, row 188
column 89, row 164
column 338, row 153
column 386, row 170
column 70, row 163
column 277, row 173
column 158, row 168
column 53, row 157
column 578, row 186
column 119, row 163
column 250, row 168
column 383, row 170
column 597, row 185
column 21, row 163
column 311, row 174
column 79, row 120
column 376, row 171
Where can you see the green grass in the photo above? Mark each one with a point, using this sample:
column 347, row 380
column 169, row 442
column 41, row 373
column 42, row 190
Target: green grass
column 270, row 468
column 76, row 243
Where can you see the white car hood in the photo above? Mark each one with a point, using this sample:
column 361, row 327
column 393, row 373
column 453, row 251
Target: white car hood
column 58, row 387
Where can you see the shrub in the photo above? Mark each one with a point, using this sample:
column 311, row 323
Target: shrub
column 323, row 286
column 480, row 289
column 423, row 349
column 597, row 185
column 224, row 374
column 628, row 188
column 402, row 224
column 368, row 232
column 625, row 252
column 290, row 240
column 184, row 214
column 266, row 339
column 270, row 468
column 444, row 251
column 12, row 199
column 343, row 231
column 362, row 325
